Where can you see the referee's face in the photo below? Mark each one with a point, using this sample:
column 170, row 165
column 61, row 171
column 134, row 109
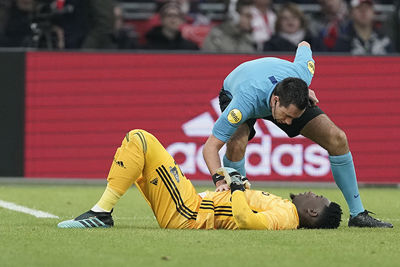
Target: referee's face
column 285, row 115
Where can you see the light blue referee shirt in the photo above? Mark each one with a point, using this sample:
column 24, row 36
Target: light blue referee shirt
column 251, row 85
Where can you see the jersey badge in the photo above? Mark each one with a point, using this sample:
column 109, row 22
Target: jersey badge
column 311, row 67
column 273, row 79
column 234, row 116
column 174, row 172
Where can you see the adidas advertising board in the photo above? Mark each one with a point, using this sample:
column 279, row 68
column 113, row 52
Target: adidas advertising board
column 269, row 146
column 79, row 107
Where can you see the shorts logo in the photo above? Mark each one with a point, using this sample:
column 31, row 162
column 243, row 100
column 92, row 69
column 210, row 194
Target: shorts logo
column 120, row 163
column 311, row 67
column 234, row 116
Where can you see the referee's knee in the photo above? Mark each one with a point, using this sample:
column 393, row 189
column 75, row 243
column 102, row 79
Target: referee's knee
column 235, row 149
column 338, row 144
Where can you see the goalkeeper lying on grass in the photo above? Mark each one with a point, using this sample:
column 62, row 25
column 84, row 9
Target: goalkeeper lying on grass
column 142, row 160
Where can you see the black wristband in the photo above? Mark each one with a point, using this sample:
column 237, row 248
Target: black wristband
column 217, row 177
column 235, row 187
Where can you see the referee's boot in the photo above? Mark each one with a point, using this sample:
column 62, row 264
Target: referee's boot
column 89, row 219
column 363, row 219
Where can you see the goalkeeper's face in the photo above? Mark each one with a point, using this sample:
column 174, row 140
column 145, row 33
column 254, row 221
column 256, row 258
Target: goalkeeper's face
column 309, row 208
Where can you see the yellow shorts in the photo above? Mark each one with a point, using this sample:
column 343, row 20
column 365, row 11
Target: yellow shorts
column 141, row 159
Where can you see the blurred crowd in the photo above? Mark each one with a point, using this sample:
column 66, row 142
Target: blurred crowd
column 246, row 26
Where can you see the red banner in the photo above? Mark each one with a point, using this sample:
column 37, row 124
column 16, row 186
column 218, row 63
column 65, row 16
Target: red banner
column 79, row 106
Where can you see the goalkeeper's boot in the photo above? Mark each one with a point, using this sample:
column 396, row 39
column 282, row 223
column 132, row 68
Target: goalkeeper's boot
column 89, row 219
column 363, row 219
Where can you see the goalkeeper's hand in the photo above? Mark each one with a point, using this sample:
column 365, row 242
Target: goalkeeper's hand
column 246, row 182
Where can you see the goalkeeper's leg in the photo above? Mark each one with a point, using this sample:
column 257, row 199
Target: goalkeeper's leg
column 126, row 168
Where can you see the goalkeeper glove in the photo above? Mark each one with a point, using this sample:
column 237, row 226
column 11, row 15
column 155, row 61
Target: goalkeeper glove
column 233, row 178
column 246, row 182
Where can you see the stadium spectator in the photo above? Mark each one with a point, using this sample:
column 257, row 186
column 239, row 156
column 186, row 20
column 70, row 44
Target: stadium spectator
column 88, row 24
column 4, row 11
column 189, row 9
column 233, row 35
column 277, row 90
column 330, row 23
column 192, row 14
column 363, row 38
column 263, row 22
column 125, row 36
column 30, row 24
column 168, row 35
column 391, row 25
column 295, row 1
column 142, row 160
column 17, row 24
column 290, row 29
column 70, row 24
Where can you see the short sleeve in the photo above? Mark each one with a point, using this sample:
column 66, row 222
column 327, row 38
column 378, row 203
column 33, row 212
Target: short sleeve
column 233, row 116
column 305, row 63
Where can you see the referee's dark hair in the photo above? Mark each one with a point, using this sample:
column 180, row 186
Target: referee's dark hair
column 330, row 217
column 292, row 91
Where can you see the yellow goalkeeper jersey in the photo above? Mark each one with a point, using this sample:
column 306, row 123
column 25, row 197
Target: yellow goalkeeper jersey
column 251, row 209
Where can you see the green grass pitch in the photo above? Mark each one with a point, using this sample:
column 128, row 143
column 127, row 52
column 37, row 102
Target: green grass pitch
column 136, row 239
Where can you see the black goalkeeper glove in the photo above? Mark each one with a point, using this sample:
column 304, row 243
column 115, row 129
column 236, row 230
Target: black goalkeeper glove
column 233, row 178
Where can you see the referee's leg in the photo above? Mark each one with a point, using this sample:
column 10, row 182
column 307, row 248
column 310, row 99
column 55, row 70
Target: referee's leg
column 324, row 132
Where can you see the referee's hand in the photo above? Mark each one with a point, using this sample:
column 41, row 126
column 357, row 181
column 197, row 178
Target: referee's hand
column 221, row 186
column 304, row 43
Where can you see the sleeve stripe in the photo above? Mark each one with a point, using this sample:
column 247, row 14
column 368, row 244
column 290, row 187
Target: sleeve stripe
column 175, row 194
column 206, row 208
column 207, row 204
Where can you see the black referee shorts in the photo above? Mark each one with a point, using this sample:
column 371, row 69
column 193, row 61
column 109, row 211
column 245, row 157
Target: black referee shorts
column 291, row 130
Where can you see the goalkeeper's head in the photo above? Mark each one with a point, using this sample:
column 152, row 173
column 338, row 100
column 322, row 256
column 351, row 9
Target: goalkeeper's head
column 316, row 211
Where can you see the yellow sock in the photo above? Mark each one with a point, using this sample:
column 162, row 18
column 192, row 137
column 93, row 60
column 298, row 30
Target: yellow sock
column 108, row 200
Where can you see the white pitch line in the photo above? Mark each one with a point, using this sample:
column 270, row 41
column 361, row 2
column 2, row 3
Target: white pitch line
column 36, row 213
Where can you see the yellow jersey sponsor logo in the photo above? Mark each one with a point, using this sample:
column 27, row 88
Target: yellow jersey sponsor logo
column 311, row 67
column 234, row 116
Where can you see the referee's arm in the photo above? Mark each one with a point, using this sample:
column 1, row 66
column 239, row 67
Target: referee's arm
column 210, row 153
